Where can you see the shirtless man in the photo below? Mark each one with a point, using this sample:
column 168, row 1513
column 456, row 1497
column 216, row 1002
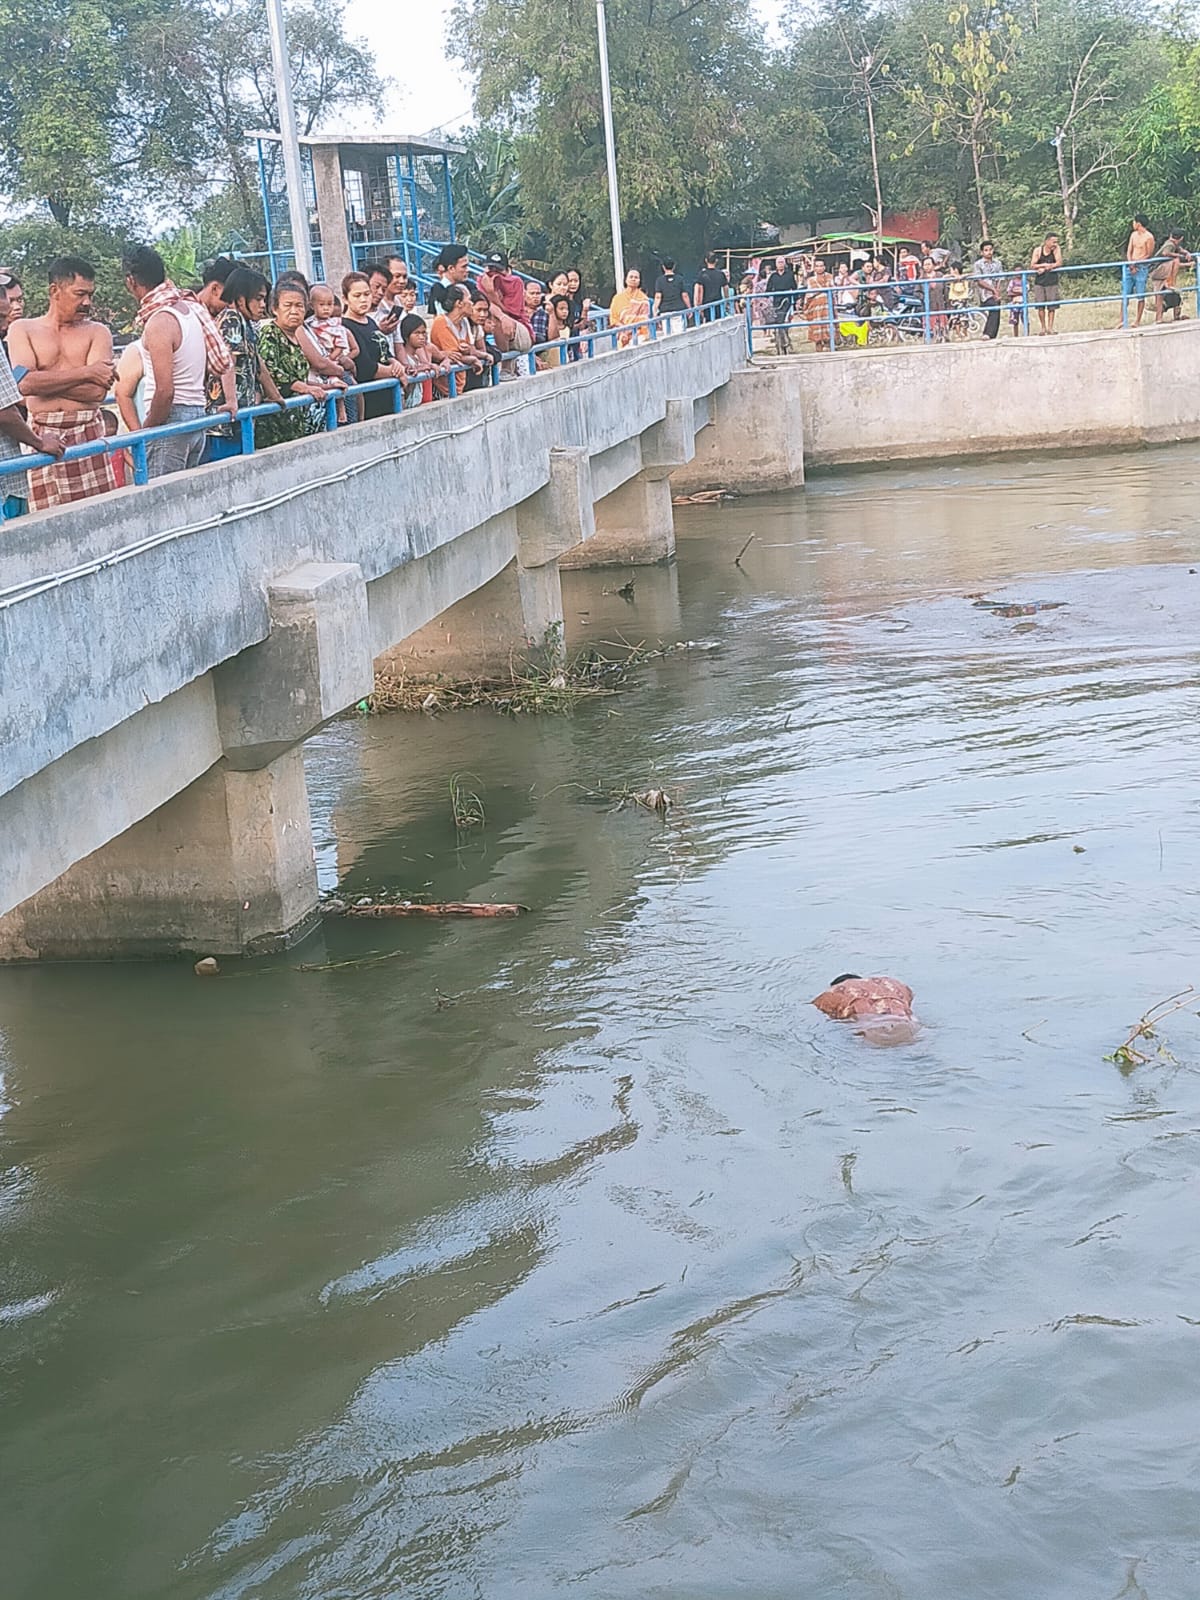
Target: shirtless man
column 68, row 361
column 1137, row 266
column 1163, row 278
column 881, row 1007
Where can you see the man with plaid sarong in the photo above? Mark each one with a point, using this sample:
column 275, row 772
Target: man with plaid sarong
column 65, row 362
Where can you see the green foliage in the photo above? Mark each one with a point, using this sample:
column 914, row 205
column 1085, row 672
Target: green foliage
column 691, row 95
column 132, row 109
column 487, row 192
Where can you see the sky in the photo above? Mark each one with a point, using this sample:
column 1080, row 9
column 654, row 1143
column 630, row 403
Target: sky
column 437, row 91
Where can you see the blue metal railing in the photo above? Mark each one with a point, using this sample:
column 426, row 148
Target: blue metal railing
column 833, row 316
column 554, row 352
column 136, row 443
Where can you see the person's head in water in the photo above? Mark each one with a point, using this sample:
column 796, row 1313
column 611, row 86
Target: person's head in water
column 844, row 978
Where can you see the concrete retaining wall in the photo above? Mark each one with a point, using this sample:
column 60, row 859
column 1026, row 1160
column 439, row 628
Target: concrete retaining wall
column 1115, row 387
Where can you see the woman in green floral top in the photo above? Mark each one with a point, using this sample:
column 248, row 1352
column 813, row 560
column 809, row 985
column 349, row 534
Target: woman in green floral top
column 289, row 355
column 245, row 296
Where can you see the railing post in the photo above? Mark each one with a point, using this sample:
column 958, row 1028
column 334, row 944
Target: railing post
column 832, row 322
column 331, row 422
column 1025, row 301
column 1125, row 295
column 246, row 428
column 141, row 467
column 750, row 323
column 928, row 325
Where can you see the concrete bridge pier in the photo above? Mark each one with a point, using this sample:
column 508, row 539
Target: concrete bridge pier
column 226, row 866
column 755, row 438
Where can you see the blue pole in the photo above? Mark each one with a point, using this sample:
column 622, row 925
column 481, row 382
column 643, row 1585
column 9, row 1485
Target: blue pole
column 410, row 258
column 412, row 197
column 925, row 298
column 266, row 200
column 449, row 194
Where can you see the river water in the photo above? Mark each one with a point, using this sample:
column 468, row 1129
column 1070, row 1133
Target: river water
column 580, row 1255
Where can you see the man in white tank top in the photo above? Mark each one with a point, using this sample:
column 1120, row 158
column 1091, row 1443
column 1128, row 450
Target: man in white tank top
column 181, row 346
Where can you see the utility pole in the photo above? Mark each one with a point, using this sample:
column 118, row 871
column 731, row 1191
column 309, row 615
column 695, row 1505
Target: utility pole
column 289, row 139
column 610, row 149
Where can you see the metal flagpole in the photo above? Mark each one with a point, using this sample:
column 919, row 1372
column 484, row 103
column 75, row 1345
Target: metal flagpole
column 610, row 149
column 290, row 139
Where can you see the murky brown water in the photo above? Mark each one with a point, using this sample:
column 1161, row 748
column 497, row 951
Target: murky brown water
column 581, row 1255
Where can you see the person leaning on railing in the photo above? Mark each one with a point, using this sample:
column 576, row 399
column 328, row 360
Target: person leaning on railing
column 244, row 305
column 630, row 305
column 15, row 432
column 289, row 353
column 375, row 356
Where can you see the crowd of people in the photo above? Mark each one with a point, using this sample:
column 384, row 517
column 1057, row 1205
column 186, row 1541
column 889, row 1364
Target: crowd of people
column 234, row 342
column 296, row 354
column 928, row 292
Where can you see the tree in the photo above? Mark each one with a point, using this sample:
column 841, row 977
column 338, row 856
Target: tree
column 487, row 191
column 963, row 89
column 685, row 75
column 137, row 108
column 331, row 72
column 96, row 103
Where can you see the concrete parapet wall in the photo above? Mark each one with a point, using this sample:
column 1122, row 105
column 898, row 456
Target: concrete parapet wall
column 1114, row 387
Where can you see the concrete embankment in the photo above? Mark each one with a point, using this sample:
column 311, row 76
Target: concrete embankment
column 1071, row 391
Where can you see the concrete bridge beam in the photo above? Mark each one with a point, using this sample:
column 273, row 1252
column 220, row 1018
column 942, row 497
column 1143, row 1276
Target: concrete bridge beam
column 315, row 662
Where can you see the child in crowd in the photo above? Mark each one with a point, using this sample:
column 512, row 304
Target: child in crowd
column 958, row 297
column 1016, row 303
column 338, row 343
column 418, row 360
column 406, row 299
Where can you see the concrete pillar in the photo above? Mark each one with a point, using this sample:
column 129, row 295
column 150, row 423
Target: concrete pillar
column 635, row 526
column 314, row 664
column 755, row 439
column 331, row 214
column 225, row 868
column 487, row 634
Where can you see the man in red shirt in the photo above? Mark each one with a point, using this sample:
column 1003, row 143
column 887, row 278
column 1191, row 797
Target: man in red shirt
column 881, row 1007
column 504, row 288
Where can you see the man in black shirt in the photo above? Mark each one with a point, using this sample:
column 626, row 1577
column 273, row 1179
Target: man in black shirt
column 453, row 268
column 782, row 284
column 712, row 285
column 671, row 298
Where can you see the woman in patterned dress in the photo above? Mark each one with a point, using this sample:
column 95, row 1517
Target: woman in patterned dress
column 289, row 354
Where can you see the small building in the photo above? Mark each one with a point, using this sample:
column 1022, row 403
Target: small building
column 366, row 195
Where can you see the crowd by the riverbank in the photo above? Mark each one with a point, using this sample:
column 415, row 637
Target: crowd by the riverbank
column 927, row 291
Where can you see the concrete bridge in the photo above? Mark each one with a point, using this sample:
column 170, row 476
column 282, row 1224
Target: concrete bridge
column 165, row 651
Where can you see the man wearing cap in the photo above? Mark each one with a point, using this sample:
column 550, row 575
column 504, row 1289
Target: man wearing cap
column 503, row 287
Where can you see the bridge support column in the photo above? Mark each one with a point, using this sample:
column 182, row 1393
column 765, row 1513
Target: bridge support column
column 635, row 526
column 225, row 868
column 488, row 633
column 755, row 439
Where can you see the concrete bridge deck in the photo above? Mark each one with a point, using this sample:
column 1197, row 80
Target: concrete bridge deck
column 165, row 650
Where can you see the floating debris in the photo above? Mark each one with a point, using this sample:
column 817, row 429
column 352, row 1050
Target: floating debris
column 1017, row 608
